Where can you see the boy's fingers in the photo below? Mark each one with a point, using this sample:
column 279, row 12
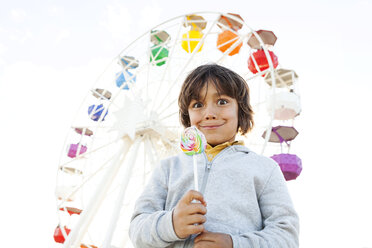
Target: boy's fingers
column 204, row 236
column 196, row 208
column 196, row 219
column 193, row 195
column 195, row 229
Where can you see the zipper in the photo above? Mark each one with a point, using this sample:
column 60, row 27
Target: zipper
column 205, row 180
column 208, row 168
column 205, row 177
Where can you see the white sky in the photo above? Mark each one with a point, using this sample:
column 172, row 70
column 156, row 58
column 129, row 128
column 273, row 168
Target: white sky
column 52, row 51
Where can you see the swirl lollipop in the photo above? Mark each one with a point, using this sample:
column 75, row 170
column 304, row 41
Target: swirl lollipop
column 193, row 142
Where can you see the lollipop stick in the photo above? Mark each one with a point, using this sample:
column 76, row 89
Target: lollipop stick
column 195, row 173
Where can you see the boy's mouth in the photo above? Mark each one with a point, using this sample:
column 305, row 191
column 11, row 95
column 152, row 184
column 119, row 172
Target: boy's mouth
column 210, row 126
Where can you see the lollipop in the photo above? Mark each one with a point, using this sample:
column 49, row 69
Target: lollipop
column 193, row 142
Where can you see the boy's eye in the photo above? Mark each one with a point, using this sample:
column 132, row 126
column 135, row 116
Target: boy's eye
column 222, row 102
column 197, row 105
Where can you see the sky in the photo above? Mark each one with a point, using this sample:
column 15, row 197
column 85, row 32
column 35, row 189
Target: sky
column 51, row 52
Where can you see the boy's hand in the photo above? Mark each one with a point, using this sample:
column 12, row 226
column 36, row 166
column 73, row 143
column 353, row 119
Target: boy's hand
column 213, row 240
column 187, row 213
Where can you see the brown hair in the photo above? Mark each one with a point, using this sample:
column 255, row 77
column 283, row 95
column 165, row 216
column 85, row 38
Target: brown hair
column 226, row 82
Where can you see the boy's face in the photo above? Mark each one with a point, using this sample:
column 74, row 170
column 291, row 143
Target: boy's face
column 215, row 115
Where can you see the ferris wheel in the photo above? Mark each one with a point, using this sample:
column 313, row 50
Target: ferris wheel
column 128, row 120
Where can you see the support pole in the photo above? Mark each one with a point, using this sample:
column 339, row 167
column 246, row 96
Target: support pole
column 116, row 212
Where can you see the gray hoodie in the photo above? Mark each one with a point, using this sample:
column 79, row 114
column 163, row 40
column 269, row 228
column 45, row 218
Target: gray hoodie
column 246, row 197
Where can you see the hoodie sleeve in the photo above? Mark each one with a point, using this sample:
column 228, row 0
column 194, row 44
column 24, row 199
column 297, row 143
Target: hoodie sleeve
column 280, row 220
column 151, row 225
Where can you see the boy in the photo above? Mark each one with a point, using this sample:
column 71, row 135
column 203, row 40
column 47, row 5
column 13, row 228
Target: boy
column 248, row 201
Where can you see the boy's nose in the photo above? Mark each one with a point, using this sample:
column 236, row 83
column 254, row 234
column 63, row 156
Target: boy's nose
column 210, row 113
column 210, row 117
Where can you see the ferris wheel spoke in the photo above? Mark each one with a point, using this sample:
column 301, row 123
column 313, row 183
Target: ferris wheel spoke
column 167, row 116
column 153, row 149
column 257, row 75
column 169, row 142
column 76, row 235
column 168, row 63
column 150, row 151
column 87, row 179
column 196, row 49
column 147, row 82
column 171, row 127
column 145, row 157
column 84, row 155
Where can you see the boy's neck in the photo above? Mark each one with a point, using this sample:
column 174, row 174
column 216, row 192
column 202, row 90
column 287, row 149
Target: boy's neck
column 227, row 143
